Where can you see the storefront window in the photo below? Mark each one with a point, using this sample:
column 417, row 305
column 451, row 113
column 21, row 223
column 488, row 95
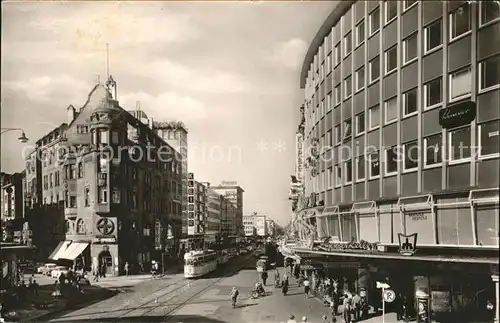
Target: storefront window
column 420, row 222
column 454, row 224
column 333, row 226
column 487, row 224
column 368, row 227
column 396, row 226
column 348, row 227
column 321, row 227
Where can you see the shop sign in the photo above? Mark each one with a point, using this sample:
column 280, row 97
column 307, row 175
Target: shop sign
column 353, row 245
column 417, row 216
column 457, row 115
column 347, row 265
column 407, row 244
column 423, row 310
column 104, row 239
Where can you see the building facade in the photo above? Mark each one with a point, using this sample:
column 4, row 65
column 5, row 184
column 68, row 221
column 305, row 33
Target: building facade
column 102, row 188
column 401, row 139
column 260, row 225
column 213, row 214
column 269, row 227
column 12, row 206
column 249, row 225
column 234, row 194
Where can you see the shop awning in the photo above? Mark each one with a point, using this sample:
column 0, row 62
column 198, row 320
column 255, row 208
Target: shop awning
column 59, row 250
column 74, row 250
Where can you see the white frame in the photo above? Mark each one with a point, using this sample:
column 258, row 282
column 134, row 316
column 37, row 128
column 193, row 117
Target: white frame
column 336, row 53
column 426, row 85
column 337, row 134
column 407, row 115
column 329, row 179
column 344, row 137
column 386, row 122
column 370, row 176
column 450, row 84
column 386, row 163
column 321, row 109
column 450, row 23
column 405, row 42
column 370, row 118
column 370, row 18
column 409, row 170
column 362, row 68
column 329, row 105
column 329, row 138
column 338, row 183
column 370, row 64
column 338, row 95
column 481, row 23
column 386, row 65
column 426, row 36
column 386, row 11
column 480, row 75
column 406, row 7
column 440, row 163
column 346, row 52
column 449, row 144
column 328, row 64
column 480, row 146
column 357, row 132
column 358, row 41
column 346, row 88
column 346, row 182
column 358, row 179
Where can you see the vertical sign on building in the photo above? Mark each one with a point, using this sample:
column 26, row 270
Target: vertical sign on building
column 158, row 235
column 299, row 163
column 191, row 205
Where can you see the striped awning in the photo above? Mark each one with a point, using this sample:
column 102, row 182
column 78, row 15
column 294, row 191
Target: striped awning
column 73, row 250
column 59, row 250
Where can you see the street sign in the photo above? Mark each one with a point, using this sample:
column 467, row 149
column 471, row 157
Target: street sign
column 389, row 295
column 382, row 285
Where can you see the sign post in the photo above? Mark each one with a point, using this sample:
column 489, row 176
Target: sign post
column 385, row 298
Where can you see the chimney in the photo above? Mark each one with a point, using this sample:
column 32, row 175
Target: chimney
column 71, row 113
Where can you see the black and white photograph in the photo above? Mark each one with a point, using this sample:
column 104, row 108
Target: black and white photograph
column 250, row 161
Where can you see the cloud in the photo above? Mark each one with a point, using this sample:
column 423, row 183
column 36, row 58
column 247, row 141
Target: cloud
column 45, row 88
column 289, row 53
column 202, row 80
column 166, row 106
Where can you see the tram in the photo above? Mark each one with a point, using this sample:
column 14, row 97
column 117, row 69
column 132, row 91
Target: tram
column 199, row 263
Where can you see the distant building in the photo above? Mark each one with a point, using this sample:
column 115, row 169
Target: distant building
column 234, row 194
column 269, row 227
column 249, row 225
column 213, row 205
column 260, row 225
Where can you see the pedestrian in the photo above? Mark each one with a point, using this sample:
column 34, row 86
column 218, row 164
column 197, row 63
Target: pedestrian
column 234, row 296
column 304, row 319
column 127, row 268
column 356, row 306
column 264, row 277
column 284, row 287
column 347, row 308
column 35, row 288
column 307, row 287
column 324, row 319
column 96, row 275
column 291, row 319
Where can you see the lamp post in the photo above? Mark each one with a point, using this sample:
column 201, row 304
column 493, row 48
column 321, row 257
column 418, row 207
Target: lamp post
column 22, row 138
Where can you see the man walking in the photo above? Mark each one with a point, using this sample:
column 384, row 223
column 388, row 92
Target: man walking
column 307, row 288
column 127, row 268
column 347, row 308
column 356, row 304
column 234, row 296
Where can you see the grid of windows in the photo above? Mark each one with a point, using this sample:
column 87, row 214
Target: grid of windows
column 457, row 84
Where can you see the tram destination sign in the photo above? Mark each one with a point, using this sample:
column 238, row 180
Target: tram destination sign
column 457, row 115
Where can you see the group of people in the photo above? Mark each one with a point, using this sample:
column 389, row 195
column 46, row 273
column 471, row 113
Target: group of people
column 70, row 282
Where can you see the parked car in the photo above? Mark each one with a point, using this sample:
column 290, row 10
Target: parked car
column 46, row 269
column 56, row 272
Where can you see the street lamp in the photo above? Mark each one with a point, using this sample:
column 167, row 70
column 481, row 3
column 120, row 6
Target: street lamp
column 22, row 138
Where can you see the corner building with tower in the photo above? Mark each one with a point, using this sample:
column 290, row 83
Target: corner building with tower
column 400, row 148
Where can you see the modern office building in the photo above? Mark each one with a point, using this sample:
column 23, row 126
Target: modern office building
column 402, row 145
column 232, row 192
column 249, row 225
column 99, row 191
column 213, row 214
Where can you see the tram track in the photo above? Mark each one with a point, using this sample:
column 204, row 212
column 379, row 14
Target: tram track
column 155, row 304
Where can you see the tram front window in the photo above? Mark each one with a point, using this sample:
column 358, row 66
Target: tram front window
column 189, row 262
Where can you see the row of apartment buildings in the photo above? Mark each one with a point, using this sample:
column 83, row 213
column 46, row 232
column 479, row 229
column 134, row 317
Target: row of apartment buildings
column 397, row 164
column 110, row 186
column 258, row 225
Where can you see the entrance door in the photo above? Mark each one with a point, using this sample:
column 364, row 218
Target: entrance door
column 109, row 265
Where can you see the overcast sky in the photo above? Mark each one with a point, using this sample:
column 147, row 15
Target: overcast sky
column 228, row 70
